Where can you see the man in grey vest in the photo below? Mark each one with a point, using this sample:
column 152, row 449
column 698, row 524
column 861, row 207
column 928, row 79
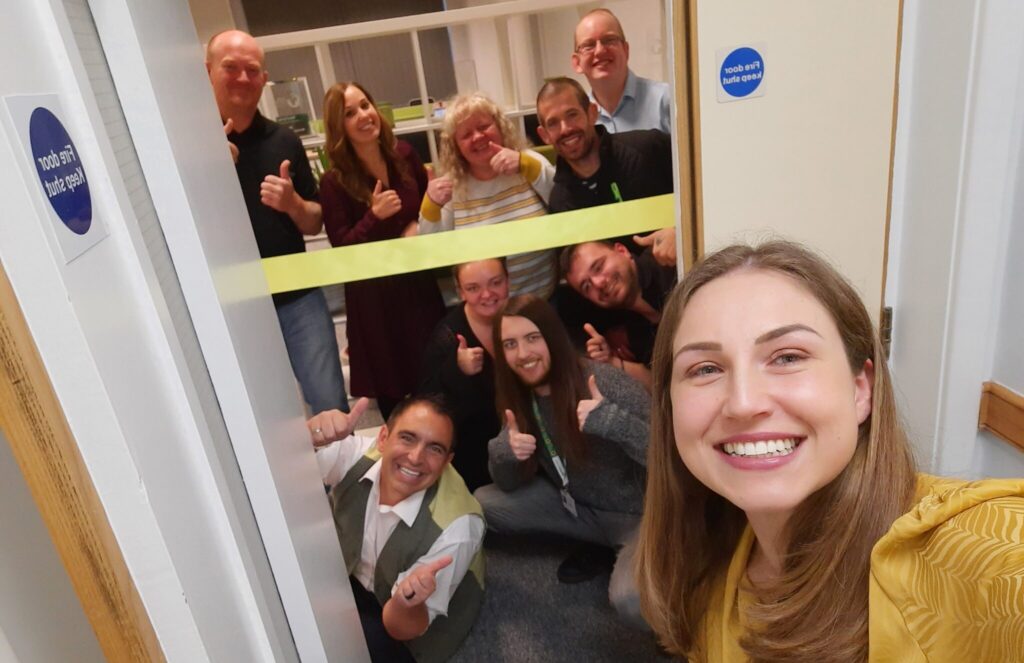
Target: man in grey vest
column 409, row 529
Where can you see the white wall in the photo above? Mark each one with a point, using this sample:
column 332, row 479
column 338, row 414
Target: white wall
column 41, row 619
column 957, row 196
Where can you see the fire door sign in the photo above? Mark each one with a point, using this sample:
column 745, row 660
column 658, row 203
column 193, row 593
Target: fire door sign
column 57, row 170
column 741, row 73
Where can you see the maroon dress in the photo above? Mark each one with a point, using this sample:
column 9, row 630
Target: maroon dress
column 390, row 319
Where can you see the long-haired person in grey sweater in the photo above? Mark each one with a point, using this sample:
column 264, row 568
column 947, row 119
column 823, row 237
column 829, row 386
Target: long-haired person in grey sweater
column 570, row 458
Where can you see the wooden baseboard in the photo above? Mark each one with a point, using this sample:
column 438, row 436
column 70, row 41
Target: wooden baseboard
column 1002, row 413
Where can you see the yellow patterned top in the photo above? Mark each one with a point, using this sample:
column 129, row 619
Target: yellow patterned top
column 947, row 580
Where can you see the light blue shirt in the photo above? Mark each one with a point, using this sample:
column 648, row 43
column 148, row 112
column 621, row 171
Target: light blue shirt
column 645, row 104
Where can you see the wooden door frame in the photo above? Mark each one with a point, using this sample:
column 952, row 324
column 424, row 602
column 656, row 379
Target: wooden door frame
column 690, row 244
column 48, row 456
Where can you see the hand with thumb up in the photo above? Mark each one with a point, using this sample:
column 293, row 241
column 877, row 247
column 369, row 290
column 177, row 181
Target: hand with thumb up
column 277, row 191
column 470, row 360
column 384, row 204
column 523, row 444
column 586, row 406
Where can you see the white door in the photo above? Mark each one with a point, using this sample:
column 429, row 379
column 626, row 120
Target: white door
column 794, row 117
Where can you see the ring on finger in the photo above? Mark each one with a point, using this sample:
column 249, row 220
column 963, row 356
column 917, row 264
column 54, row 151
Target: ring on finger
column 317, row 431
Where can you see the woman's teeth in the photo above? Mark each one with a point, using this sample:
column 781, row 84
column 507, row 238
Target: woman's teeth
column 768, row 448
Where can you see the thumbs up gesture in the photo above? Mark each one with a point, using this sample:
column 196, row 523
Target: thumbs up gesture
column 439, row 190
column 384, row 204
column 421, row 582
column 330, row 425
column 662, row 243
column 470, row 360
column 277, row 191
column 504, row 160
column 597, row 346
column 229, row 126
column 523, row 444
column 586, row 406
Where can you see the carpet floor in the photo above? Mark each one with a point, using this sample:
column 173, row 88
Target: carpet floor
column 530, row 617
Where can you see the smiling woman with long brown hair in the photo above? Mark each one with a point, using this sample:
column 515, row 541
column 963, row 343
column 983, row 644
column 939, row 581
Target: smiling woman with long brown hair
column 784, row 518
column 373, row 193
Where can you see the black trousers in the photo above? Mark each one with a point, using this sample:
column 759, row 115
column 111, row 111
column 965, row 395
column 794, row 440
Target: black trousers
column 383, row 648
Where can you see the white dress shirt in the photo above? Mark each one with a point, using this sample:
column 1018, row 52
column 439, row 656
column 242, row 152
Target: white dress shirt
column 461, row 539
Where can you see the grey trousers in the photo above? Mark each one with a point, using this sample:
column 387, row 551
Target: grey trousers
column 536, row 508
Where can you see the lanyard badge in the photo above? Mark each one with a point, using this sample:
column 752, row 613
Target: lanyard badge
column 567, row 500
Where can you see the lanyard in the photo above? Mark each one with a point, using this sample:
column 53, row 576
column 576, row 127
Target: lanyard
column 616, row 193
column 552, row 452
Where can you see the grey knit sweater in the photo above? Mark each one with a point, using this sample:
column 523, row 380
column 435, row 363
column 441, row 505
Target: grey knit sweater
column 612, row 476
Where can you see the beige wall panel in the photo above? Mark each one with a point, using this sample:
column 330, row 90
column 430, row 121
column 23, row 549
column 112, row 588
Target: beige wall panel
column 809, row 160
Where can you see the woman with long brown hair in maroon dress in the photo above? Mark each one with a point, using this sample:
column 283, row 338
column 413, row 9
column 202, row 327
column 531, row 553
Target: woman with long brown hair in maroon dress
column 373, row 192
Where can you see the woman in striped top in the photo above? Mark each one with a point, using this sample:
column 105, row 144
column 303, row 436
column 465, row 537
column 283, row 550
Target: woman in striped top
column 490, row 177
column 784, row 518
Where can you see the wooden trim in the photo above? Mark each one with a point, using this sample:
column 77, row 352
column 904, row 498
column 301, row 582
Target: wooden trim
column 1002, row 413
column 687, row 129
column 48, row 456
column 892, row 154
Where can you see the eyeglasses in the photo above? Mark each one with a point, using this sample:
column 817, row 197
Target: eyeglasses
column 608, row 41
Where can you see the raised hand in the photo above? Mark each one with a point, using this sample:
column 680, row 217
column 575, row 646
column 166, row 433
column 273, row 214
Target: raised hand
column 330, row 425
column 664, row 245
column 277, row 191
column 523, row 444
column 421, row 582
column 470, row 360
column 505, row 161
column 229, row 126
column 597, row 346
column 586, row 406
column 439, row 190
column 384, row 204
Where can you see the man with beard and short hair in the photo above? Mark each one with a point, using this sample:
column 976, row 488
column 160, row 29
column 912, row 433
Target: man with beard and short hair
column 409, row 530
column 280, row 196
column 595, row 167
column 625, row 101
column 631, row 290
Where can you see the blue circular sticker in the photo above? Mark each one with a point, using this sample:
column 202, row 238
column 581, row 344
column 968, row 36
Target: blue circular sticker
column 742, row 72
column 60, row 171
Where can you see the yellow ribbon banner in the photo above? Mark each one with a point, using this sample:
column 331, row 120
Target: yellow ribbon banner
column 412, row 254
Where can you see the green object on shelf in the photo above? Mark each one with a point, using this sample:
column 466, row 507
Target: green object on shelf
column 387, row 111
column 406, row 113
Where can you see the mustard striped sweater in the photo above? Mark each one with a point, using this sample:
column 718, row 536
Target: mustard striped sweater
column 504, row 198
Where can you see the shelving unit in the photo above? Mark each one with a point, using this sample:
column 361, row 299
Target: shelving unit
column 320, row 39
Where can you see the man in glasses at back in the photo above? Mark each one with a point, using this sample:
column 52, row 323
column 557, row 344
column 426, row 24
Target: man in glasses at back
column 624, row 100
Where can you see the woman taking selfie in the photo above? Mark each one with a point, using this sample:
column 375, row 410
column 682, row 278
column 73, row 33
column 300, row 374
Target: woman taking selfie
column 373, row 192
column 784, row 516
